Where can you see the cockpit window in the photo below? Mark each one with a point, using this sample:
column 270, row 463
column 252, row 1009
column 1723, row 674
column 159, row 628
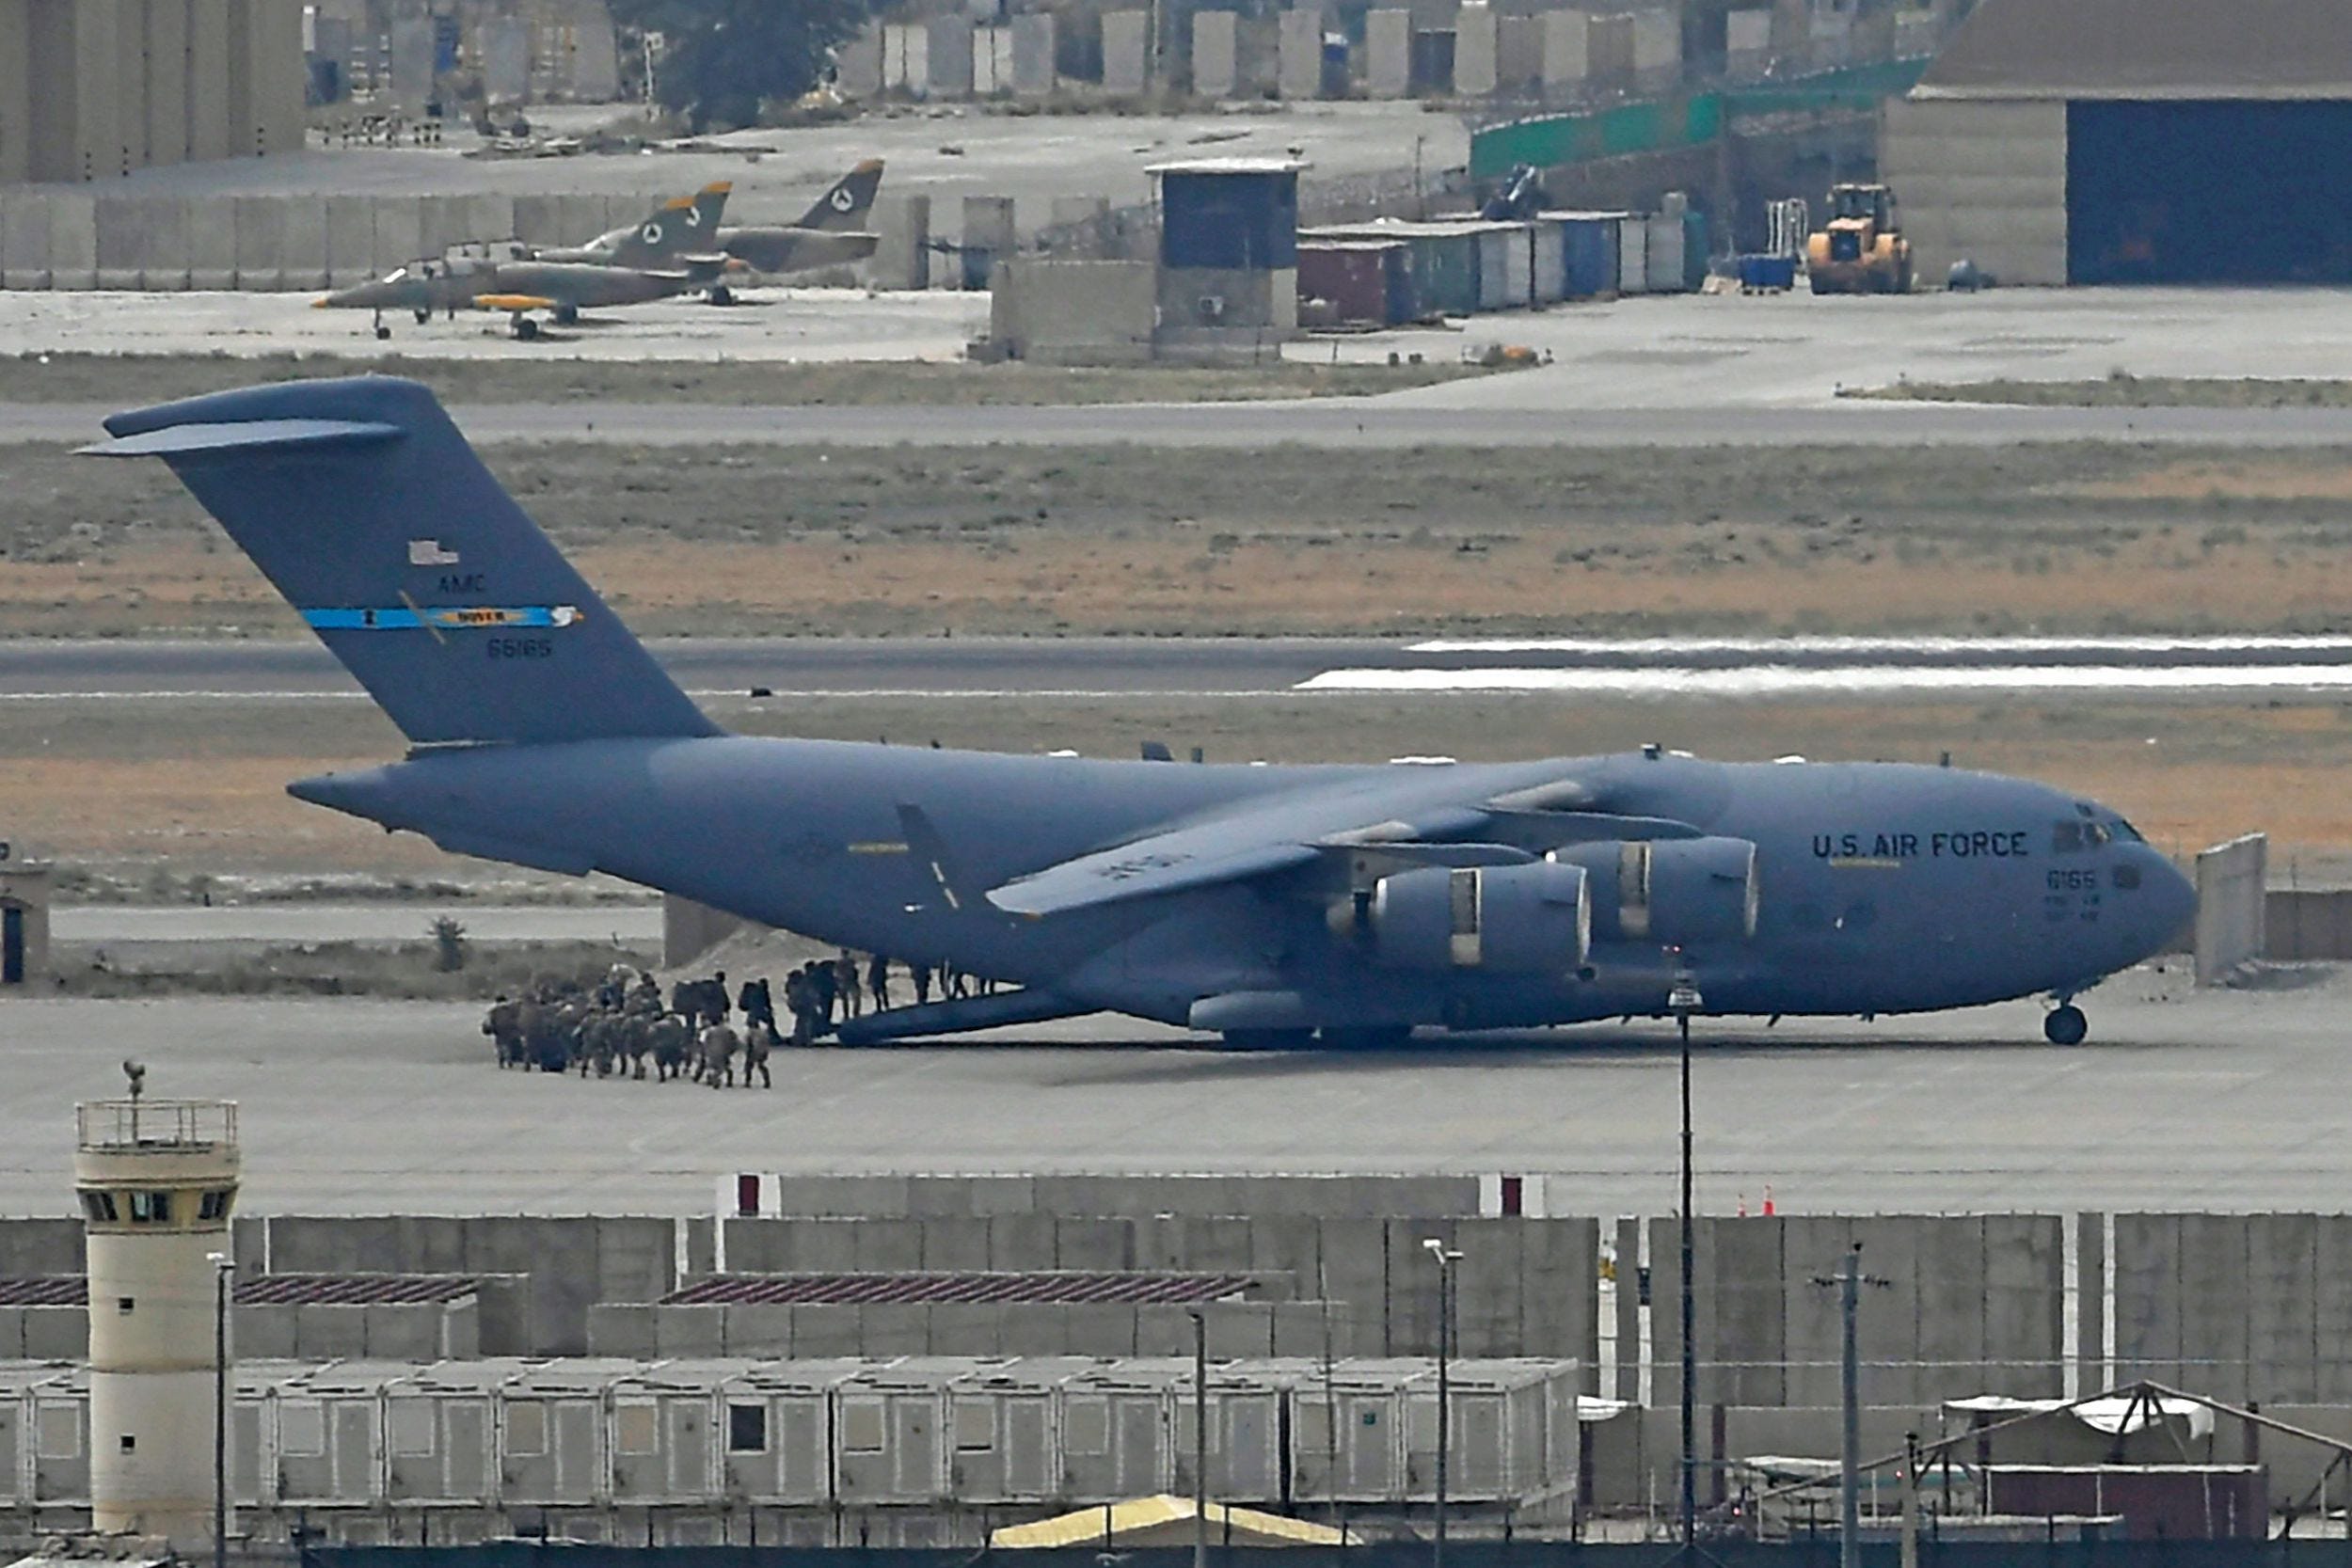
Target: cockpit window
column 2126, row 832
column 396, row 275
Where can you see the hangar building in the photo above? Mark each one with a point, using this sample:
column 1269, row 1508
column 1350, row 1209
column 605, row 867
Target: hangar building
column 91, row 90
column 2133, row 141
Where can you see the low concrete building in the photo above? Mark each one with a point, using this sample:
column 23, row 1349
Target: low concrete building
column 1062, row 311
column 24, row 889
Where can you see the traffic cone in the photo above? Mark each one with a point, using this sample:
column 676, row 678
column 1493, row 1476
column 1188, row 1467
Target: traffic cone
column 1769, row 1210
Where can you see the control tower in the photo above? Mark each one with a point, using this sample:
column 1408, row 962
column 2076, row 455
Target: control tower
column 157, row 1180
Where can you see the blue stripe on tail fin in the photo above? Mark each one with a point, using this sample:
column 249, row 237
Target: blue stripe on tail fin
column 365, row 507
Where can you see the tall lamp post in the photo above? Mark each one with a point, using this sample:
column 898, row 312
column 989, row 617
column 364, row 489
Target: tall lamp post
column 224, row 1267
column 1446, row 1256
column 1683, row 1001
column 1200, row 1439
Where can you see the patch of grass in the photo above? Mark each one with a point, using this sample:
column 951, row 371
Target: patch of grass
column 132, row 379
column 2122, row 389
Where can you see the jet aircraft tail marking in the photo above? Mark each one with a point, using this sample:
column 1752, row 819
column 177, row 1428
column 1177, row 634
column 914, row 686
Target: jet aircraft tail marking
column 845, row 204
column 327, row 484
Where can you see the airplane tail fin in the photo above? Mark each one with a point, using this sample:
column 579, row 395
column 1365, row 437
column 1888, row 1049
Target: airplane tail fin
column 678, row 227
column 365, row 507
column 847, row 204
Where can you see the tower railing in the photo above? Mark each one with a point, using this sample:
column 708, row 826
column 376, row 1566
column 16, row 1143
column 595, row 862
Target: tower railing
column 133, row 1124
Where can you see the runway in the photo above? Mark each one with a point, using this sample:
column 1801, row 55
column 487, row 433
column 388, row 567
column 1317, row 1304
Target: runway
column 1353, row 424
column 1251, row 667
column 404, row 920
column 2218, row 1101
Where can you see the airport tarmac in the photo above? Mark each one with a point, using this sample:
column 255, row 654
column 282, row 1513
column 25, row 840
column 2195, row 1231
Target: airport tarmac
column 404, row 920
column 2198, row 1100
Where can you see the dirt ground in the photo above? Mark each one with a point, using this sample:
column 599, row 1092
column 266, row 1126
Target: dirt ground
column 128, row 380
column 123, row 786
column 759, row 541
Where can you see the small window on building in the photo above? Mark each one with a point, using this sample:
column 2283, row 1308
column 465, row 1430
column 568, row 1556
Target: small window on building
column 99, row 1207
column 411, row 1429
column 151, row 1208
column 215, row 1204
column 747, row 1429
column 976, row 1425
column 125, row 1304
column 1087, row 1427
column 526, row 1429
column 635, row 1428
column 129, row 1444
column 862, row 1426
column 301, row 1428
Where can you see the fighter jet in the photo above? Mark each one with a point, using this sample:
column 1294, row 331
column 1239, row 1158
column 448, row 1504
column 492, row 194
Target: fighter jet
column 831, row 233
column 649, row 262
column 1275, row 906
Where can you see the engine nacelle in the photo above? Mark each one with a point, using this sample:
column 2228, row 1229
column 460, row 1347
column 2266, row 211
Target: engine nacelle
column 1531, row 919
column 1671, row 891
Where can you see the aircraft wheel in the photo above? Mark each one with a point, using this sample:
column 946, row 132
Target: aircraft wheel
column 1268, row 1039
column 526, row 329
column 2066, row 1025
column 423, row 316
column 568, row 315
column 722, row 296
column 1369, row 1037
column 383, row 334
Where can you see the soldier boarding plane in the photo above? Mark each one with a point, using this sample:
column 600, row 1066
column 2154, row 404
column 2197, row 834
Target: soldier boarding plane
column 663, row 256
column 1275, row 906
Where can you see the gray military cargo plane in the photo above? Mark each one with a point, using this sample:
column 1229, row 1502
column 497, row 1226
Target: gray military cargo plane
column 1275, row 906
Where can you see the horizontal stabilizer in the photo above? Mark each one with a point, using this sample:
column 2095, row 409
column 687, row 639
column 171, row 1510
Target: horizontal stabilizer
column 253, row 436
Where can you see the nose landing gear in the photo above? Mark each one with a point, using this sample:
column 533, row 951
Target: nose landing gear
column 2065, row 1025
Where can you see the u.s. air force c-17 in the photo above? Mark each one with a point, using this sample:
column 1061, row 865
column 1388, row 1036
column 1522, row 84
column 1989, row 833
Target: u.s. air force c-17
column 1277, row 906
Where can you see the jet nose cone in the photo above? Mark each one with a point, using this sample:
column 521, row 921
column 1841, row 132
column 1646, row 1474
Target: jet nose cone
column 2168, row 899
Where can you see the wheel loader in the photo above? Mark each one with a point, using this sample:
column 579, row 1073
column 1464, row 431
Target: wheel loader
column 1860, row 250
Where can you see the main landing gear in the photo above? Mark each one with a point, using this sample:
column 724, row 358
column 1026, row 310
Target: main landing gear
column 2065, row 1025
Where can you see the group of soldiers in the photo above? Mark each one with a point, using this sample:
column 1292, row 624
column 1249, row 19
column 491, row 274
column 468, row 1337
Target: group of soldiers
column 623, row 1024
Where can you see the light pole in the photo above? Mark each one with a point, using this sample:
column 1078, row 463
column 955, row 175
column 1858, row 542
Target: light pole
column 223, row 1268
column 1446, row 1256
column 1200, row 1439
column 1683, row 1001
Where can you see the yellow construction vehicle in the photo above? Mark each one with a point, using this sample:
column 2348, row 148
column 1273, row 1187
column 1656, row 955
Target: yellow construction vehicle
column 1861, row 249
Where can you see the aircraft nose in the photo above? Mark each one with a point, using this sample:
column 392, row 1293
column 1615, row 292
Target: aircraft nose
column 2168, row 899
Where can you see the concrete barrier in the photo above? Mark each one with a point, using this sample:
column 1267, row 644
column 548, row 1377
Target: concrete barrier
column 350, row 240
column 2231, row 884
column 1389, row 54
column 1215, row 53
column 1299, row 69
column 73, row 240
column 260, row 227
column 1127, row 52
column 2304, row 925
column 303, row 249
column 24, row 241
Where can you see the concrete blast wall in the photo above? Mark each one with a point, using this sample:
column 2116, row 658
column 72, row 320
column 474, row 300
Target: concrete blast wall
column 1982, row 181
column 2230, row 907
column 1298, row 68
column 1215, row 53
column 1055, row 311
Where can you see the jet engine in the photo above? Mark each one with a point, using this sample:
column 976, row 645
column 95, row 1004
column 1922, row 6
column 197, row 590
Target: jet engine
column 1670, row 892
column 1530, row 919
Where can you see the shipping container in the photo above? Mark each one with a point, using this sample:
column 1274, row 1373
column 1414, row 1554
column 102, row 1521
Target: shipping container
column 1249, row 1415
column 889, row 1422
column 1633, row 255
column 1364, row 282
column 1444, row 261
column 440, row 1428
column 1548, row 261
column 324, row 1434
column 1006, row 1424
column 1503, row 283
column 1513, row 1435
column 2157, row 1502
column 1592, row 243
column 780, row 1423
column 1347, row 1432
column 1666, row 249
column 1116, row 1423
column 552, row 1417
column 45, row 1434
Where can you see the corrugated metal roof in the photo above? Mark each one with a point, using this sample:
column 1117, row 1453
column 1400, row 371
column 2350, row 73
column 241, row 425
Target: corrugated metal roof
column 1055, row 1288
column 271, row 1290
column 44, row 1290
column 2148, row 49
column 1229, row 166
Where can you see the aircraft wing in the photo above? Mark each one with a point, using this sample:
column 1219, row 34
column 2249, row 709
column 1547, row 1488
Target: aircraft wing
column 513, row 302
column 1277, row 836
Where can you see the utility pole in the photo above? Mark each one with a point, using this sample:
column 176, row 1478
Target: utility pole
column 222, row 1268
column 1683, row 1001
column 1200, row 1439
column 1446, row 1256
column 1849, row 1280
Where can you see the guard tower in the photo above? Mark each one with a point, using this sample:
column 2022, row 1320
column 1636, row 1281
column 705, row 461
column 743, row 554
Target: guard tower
column 1228, row 250
column 157, row 1180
